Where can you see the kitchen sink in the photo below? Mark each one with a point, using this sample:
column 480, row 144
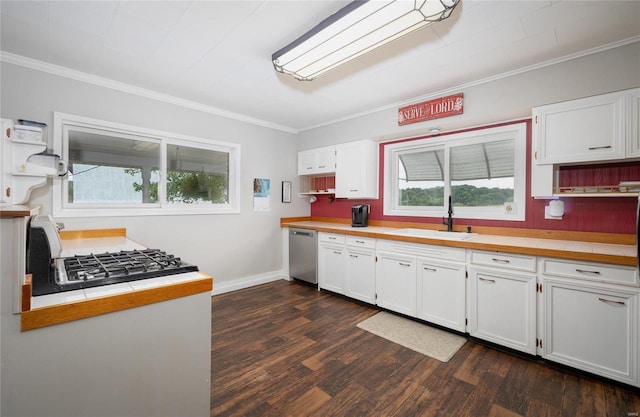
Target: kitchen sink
column 433, row 234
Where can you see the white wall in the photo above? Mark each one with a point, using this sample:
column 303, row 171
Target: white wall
column 247, row 247
column 233, row 248
column 499, row 99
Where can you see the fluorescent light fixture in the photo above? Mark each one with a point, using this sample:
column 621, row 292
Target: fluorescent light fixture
column 354, row 30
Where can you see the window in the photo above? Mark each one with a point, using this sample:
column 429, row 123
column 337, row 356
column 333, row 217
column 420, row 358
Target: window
column 483, row 172
column 123, row 170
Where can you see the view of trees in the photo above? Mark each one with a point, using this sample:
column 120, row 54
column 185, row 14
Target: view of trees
column 462, row 195
column 188, row 187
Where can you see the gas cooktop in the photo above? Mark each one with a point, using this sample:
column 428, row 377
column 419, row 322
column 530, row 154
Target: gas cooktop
column 96, row 270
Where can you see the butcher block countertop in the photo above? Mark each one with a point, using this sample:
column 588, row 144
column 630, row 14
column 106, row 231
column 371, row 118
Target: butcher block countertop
column 50, row 309
column 12, row 211
column 609, row 248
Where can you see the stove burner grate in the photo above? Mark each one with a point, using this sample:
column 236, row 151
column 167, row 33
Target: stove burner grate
column 123, row 264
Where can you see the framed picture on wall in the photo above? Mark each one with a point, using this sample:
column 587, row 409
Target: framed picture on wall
column 286, row 191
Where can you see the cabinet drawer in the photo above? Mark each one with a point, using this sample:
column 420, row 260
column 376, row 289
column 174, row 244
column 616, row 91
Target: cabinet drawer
column 361, row 242
column 331, row 238
column 590, row 271
column 504, row 260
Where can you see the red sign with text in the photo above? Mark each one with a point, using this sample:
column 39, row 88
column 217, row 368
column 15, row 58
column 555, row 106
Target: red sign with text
column 432, row 109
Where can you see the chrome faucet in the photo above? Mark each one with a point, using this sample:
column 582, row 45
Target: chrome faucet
column 449, row 221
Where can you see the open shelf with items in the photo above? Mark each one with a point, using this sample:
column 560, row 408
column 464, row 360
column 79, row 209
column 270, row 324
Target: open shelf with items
column 24, row 163
column 597, row 191
column 317, row 184
column 599, row 180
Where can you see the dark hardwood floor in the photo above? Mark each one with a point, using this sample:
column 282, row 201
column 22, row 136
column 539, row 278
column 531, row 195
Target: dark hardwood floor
column 285, row 349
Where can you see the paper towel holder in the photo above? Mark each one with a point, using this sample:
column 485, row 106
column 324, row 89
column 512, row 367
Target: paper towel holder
column 555, row 210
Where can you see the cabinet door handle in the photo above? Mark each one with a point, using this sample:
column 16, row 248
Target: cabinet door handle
column 586, row 271
column 604, row 300
column 354, row 256
column 429, row 269
column 353, row 191
column 404, row 264
column 594, row 148
column 504, row 261
column 360, row 242
column 337, row 252
column 332, row 238
column 490, row 281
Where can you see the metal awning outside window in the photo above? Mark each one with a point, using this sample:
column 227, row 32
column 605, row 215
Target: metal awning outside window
column 485, row 160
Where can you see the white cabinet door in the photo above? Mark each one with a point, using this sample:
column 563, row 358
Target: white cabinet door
column 306, row 162
column 331, row 267
column 360, row 280
column 317, row 161
column 357, row 170
column 503, row 308
column 441, row 293
column 633, row 132
column 396, row 283
column 326, row 160
column 584, row 130
column 592, row 328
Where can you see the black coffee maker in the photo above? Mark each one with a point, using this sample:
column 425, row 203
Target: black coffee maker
column 359, row 215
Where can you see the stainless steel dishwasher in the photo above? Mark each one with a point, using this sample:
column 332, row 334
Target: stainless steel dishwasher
column 303, row 255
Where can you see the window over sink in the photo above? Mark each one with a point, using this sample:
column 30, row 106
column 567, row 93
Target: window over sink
column 116, row 169
column 482, row 170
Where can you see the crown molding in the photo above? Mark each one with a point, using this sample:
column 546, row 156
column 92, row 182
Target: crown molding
column 456, row 89
column 37, row 65
column 131, row 89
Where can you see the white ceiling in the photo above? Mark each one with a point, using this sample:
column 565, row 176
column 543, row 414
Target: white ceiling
column 217, row 54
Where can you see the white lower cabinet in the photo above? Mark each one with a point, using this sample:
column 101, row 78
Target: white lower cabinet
column 582, row 314
column 396, row 282
column 592, row 327
column 424, row 281
column 441, row 293
column 360, row 278
column 347, row 265
column 502, row 303
column 331, row 262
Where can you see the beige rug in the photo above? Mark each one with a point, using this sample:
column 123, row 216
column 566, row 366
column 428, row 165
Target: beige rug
column 435, row 343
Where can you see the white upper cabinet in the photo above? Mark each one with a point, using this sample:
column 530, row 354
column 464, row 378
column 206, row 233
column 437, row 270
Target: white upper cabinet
column 604, row 128
column 584, row 130
column 317, row 161
column 357, row 170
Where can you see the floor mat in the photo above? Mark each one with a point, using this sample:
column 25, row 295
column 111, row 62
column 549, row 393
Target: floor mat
column 435, row 343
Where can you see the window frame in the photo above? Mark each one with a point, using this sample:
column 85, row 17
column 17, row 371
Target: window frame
column 62, row 208
column 392, row 150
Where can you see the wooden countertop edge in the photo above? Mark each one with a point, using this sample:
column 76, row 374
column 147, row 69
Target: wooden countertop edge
column 92, row 233
column 9, row 212
column 62, row 313
column 554, row 253
column 592, row 237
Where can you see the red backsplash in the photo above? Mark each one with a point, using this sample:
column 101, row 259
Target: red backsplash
column 585, row 214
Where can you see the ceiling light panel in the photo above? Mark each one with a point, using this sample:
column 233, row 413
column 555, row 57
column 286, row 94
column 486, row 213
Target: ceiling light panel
column 354, row 30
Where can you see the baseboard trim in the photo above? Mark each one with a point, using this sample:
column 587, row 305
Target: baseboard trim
column 221, row 287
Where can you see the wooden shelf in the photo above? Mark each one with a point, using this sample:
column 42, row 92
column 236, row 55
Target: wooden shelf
column 595, row 194
column 312, row 192
column 597, row 191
